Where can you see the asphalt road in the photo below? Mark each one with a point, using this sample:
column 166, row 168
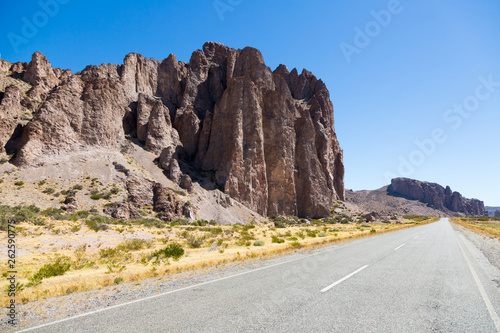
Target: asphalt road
column 423, row 279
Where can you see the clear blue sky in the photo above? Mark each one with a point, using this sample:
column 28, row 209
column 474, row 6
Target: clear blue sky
column 402, row 82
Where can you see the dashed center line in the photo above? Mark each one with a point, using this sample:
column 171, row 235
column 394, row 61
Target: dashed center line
column 415, row 237
column 343, row 279
column 400, row 246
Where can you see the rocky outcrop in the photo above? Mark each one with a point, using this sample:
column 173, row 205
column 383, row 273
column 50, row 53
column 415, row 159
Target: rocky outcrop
column 268, row 137
column 9, row 108
column 436, row 196
column 497, row 213
column 166, row 204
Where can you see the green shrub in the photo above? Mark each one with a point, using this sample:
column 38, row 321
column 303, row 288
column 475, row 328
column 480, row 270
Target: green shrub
column 82, row 214
column 97, row 223
column 59, row 267
column 195, row 242
column 321, row 234
column 75, row 228
column 259, row 243
column 200, row 223
column 77, row 187
column 19, row 183
column 49, row 190
column 311, row 233
column 276, row 239
column 118, row 280
column 295, row 244
column 96, row 196
column 280, row 224
column 134, row 244
column 373, row 230
column 53, row 212
column 179, row 221
column 25, row 213
column 174, row 251
column 149, row 223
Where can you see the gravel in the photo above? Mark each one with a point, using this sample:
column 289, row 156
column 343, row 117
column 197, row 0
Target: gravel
column 490, row 247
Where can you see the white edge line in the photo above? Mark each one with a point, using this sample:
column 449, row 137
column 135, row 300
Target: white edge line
column 343, row 279
column 166, row 293
column 400, row 246
column 491, row 309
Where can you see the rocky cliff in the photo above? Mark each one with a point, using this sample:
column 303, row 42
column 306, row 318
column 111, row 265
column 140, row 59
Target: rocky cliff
column 436, row 196
column 265, row 138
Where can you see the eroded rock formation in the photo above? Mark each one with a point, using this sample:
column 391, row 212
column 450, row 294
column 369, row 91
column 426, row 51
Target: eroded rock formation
column 436, row 196
column 267, row 137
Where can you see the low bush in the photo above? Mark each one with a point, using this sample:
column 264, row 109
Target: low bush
column 96, row 196
column 49, row 190
column 174, row 251
column 259, row 243
column 118, row 280
column 195, row 242
column 59, row 267
column 134, row 244
column 276, row 239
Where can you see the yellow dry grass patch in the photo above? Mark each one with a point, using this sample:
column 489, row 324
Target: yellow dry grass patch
column 38, row 246
column 487, row 228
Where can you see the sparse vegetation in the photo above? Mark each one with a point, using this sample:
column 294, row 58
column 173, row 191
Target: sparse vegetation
column 59, row 267
column 201, row 243
column 476, row 224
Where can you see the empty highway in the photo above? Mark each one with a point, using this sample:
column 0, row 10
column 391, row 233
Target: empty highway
column 422, row 279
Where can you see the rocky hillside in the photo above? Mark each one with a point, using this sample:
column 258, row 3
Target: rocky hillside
column 492, row 211
column 224, row 121
column 436, row 196
column 412, row 197
column 381, row 203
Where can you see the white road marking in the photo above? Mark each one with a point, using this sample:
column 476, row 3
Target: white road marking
column 415, row 237
column 343, row 279
column 400, row 246
column 491, row 309
column 176, row 290
column 322, row 251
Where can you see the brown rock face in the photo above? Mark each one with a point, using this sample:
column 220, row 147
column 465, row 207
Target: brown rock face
column 267, row 137
column 9, row 107
column 436, row 196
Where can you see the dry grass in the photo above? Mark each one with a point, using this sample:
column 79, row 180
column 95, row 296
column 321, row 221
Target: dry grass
column 40, row 245
column 490, row 228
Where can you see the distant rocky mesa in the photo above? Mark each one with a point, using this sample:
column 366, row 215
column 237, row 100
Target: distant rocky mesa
column 267, row 137
column 436, row 196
